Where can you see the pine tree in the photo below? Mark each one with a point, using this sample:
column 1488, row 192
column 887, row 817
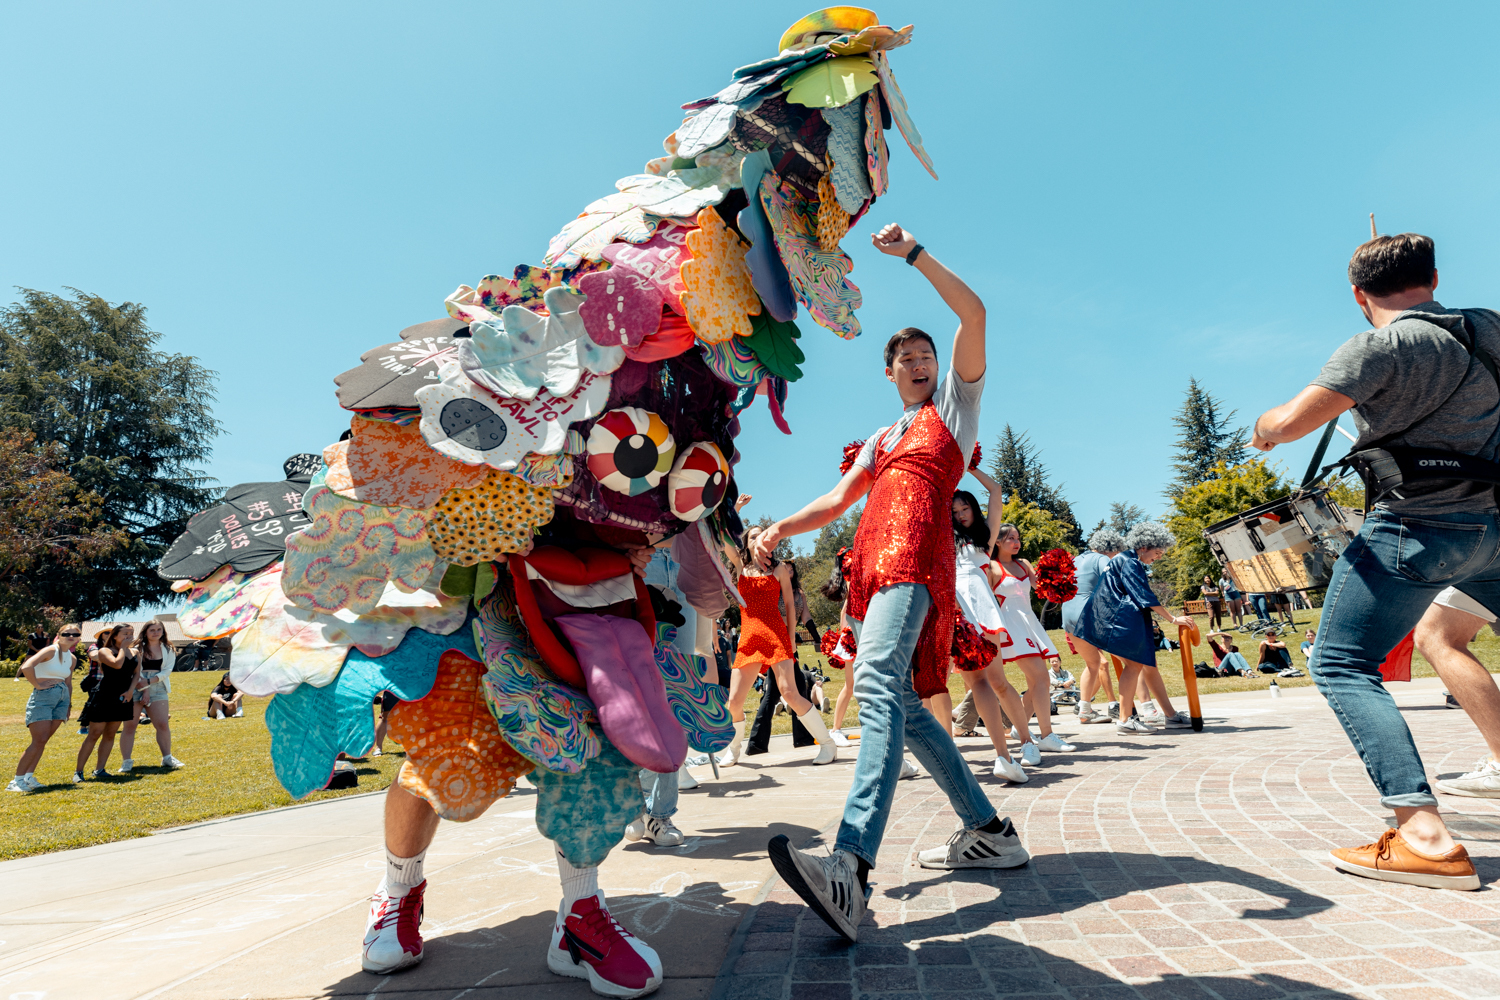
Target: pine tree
column 1206, row 439
column 1124, row 516
column 1018, row 467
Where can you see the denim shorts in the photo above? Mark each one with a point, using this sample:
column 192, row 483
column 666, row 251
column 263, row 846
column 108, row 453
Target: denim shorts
column 49, row 705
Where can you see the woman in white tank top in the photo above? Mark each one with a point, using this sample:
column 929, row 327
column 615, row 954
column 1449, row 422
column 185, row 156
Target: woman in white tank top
column 50, row 671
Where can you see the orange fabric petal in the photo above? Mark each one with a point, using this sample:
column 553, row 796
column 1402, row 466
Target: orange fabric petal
column 456, row 758
column 719, row 298
column 391, row 464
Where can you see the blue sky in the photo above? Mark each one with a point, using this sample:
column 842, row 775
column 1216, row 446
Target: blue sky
column 1140, row 192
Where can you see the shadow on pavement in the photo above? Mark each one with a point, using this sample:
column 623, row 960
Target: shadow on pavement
column 689, row 927
column 923, row 956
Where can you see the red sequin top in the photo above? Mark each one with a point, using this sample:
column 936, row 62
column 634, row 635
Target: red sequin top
column 763, row 637
column 906, row 536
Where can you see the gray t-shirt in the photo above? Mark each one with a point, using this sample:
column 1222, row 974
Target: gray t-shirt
column 957, row 404
column 1397, row 375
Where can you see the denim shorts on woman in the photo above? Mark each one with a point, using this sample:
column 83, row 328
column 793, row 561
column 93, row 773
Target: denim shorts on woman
column 49, row 705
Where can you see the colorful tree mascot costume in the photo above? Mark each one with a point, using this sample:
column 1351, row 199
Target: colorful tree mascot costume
column 473, row 545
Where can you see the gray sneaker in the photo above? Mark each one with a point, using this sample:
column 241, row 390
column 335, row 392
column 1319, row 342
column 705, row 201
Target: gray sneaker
column 1180, row 721
column 1133, row 727
column 1088, row 715
column 1481, row 783
column 827, row 884
column 977, row 849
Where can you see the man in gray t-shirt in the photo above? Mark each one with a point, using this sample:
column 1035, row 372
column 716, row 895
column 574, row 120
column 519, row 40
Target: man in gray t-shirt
column 1412, row 380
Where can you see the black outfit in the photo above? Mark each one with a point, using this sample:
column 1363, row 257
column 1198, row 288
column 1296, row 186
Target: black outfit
column 225, row 691
column 759, row 739
column 104, row 704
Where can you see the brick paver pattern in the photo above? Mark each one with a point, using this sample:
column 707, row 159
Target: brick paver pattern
column 1181, row 865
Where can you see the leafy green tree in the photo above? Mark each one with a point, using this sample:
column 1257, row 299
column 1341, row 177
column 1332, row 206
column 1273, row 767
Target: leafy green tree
column 1206, row 439
column 816, row 568
column 1347, row 492
column 1018, row 467
column 45, row 520
column 1229, row 491
column 1040, row 528
column 130, row 422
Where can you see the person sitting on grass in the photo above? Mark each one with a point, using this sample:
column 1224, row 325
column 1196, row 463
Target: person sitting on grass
column 224, row 700
column 1227, row 655
column 1274, row 656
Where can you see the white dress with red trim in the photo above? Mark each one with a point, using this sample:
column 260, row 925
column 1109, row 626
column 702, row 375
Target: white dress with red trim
column 975, row 598
column 1027, row 637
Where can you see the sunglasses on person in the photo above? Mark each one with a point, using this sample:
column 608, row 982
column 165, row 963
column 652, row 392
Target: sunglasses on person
column 70, row 635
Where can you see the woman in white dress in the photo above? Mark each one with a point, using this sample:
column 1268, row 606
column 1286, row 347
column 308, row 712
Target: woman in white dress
column 976, row 602
column 1029, row 648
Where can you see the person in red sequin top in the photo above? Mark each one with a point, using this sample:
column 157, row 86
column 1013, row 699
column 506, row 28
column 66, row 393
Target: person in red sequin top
column 902, row 602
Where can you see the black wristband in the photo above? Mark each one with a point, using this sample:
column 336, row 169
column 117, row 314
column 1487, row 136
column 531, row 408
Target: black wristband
column 911, row 258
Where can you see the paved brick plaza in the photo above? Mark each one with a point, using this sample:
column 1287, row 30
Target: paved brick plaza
column 1192, row 865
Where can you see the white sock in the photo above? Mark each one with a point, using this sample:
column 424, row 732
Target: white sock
column 577, row 883
column 739, row 736
column 402, row 874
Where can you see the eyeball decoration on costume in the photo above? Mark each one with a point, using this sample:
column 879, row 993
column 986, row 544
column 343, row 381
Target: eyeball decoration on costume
column 630, row 450
column 698, row 481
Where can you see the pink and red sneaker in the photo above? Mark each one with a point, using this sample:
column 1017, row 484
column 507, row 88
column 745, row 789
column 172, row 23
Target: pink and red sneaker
column 393, row 939
column 588, row 943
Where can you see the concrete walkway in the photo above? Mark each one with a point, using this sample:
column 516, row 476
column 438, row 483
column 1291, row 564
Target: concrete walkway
column 1181, row 864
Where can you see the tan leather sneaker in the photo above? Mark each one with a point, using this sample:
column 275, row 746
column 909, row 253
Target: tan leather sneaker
column 1392, row 859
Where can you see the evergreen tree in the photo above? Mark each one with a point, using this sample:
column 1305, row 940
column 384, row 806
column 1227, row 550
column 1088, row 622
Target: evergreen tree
column 1206, row 439
column 1018, row 467
column 130, row 422
column 1124, row 516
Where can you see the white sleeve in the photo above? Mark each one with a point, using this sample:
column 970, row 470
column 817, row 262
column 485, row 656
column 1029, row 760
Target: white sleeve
column 957, row 404
column 866, row 458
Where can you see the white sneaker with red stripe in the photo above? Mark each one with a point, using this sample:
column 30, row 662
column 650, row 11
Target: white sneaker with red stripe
column 588, row 943
column 393, row 939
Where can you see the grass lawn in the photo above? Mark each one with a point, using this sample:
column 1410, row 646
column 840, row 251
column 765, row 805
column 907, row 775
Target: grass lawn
column 228, row 771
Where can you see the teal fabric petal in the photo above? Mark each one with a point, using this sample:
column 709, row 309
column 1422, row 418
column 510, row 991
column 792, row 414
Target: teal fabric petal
column 311, row 726
column 701, row 708
column 767, row 271
column 585, row 813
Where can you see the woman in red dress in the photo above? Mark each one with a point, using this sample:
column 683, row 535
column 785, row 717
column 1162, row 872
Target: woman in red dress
column 765, row 639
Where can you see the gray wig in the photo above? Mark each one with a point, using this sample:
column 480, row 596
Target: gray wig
column 1149, row 535
column 1107, row 540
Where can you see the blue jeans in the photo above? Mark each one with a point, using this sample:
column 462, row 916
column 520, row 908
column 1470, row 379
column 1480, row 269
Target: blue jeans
column 888, row 708
column 1262, row 609
column 661, row 793
column 1236, row 662
column 1379, row 590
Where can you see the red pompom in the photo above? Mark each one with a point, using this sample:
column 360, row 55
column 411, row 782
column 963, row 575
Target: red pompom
column 974, row 458
column 851, row 452
column 1056, row 578
column 834, row 641
column 970, row 650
